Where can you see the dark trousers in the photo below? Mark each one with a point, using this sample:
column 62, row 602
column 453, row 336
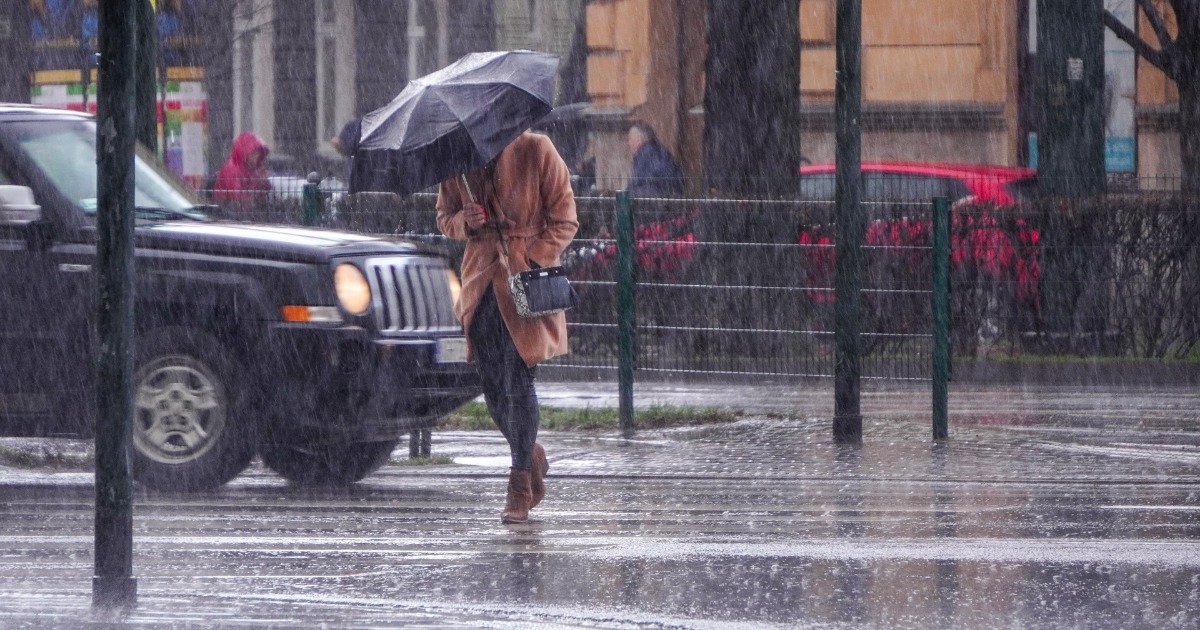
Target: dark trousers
column 507, row 382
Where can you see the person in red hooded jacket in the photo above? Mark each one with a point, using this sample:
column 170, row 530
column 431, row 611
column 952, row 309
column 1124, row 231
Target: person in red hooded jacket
column 242, row 181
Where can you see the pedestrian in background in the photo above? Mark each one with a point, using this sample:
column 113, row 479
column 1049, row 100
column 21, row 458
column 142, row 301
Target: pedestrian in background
column 242, row 181
column 516, row 213
column 654, row 172
column 346, row 142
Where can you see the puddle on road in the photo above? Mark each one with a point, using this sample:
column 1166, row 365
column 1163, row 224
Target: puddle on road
column 502, row 461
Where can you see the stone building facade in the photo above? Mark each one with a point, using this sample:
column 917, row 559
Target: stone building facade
column 943, row 80
column 294, row 72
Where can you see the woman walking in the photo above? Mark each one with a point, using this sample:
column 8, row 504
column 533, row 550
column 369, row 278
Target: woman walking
column 516, row 213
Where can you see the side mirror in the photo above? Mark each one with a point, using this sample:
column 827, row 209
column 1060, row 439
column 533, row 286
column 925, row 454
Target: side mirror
column 17, row 206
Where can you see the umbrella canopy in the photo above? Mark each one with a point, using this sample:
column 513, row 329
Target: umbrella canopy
column 452, row 121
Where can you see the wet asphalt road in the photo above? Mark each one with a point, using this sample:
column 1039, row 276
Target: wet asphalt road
column 1049, row 508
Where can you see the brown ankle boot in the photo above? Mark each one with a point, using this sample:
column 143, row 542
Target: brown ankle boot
column 516, row 504
column 538, row 480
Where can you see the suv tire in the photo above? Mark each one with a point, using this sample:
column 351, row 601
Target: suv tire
column 190, row 429
column 333, row 465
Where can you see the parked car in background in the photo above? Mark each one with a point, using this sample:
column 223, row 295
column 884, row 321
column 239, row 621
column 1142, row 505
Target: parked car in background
column 921, row 181
column 994, row 250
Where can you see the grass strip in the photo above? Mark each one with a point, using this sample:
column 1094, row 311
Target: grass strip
column 474, row 417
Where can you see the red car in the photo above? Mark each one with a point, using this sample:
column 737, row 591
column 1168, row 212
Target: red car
column 921, row 181
column 998, row 246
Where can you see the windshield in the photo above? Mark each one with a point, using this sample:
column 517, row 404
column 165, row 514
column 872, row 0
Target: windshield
column 65, row 151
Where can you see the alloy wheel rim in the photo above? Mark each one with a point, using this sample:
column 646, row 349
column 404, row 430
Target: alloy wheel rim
column 179, row 410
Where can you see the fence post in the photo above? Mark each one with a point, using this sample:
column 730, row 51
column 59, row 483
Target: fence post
column 312, row 199
column 941, row 317
column 625, row 315
column 113, row 583
column 851, row 225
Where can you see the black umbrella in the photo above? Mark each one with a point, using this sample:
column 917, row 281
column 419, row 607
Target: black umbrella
column 452, row 121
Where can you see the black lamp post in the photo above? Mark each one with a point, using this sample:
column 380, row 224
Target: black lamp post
column 113, row 584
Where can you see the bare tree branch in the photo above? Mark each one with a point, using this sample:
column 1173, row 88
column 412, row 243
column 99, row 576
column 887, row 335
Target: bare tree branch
column 1156, row 57
column 1156, row 21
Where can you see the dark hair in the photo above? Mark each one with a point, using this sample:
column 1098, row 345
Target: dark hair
column 646, row 130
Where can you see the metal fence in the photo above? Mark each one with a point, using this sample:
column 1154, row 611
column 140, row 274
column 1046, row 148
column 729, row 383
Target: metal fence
column 743, row 287
column 746, row 286
column 722, row 287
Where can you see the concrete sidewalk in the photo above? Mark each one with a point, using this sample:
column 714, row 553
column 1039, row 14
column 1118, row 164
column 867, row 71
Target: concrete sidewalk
column 1047, row 508
column 1163, row 415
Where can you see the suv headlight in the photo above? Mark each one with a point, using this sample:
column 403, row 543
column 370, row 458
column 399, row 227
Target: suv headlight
column 353, row 291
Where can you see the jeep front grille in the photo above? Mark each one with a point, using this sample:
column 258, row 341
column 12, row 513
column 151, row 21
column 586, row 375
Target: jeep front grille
column 411, row 294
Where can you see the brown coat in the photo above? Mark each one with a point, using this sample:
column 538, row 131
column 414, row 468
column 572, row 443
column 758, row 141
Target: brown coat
column 530, row 193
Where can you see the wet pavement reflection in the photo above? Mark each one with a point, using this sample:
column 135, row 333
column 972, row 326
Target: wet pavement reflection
column 1087, row 516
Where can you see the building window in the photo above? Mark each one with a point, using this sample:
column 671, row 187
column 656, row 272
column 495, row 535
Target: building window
column 535, row 21
column 428, row 36
column 336, row 66
column 254, row 68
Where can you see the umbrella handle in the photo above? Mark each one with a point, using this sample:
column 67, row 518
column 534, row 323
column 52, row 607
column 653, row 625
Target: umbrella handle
column 471, row 196
column 467, row 187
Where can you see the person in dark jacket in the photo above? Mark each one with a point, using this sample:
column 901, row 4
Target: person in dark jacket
column 346, row 142
column 654, row 172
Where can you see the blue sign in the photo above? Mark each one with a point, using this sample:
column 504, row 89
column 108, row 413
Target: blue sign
column 1120, row 154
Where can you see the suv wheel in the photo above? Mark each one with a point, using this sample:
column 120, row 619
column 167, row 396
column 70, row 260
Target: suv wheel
column 187, row 430
column 336, row 464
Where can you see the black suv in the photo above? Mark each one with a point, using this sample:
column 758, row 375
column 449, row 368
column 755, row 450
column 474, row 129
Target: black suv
column 315, row 349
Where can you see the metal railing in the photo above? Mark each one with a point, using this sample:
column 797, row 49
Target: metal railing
column 746, row 286
column 736, row 287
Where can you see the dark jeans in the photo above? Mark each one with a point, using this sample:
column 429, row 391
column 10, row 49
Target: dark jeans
column 507, row 381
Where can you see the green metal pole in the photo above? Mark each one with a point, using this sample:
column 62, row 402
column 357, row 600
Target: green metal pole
column 941, row 318
column 625, row 315
column 312, row 199
column 113, row 584
column 851, row 225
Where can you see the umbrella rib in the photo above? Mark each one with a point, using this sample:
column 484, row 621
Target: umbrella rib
column 462, row 120
column 455, row 117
